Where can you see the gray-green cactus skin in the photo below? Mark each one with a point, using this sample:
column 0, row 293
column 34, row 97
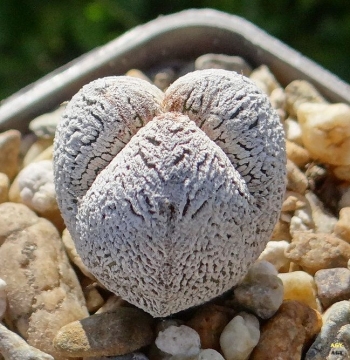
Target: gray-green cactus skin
column 170, row 197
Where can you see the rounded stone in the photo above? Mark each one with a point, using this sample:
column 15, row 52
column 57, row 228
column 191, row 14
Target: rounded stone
column 112, row 333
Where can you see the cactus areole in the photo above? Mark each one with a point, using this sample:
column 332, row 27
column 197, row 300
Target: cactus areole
column 170, row 197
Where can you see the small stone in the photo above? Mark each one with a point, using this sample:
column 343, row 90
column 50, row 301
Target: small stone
column 93, row 298
column 221, row 61
column 274, row 254
column 73, row 255
column 209, row 321
column 334, row 319
column 326, row 131
column 261, row 291
column 263, row 75
column 114, row 333
column 47, row 154
column 3, row 298
column 13, row 347
column 314, row 252
column 302, row 220
column 281, row 231
column 324, row 221
column 297, row 154
column 4, row 187
column 43, row 291
column 178, row 340
column 44, row 126
column 138, row 74
column 209, row 354
column 113, row 303
column 293, row 201
column 292, row 131
column 342, row 172
column 240, row 336
column 36, row 149
column 342, row 227
column 10, row 142
column 299, row 92
column 333, row 285
column 164, row 77
column 284, row 336
column 297, row 180
column 300, row 286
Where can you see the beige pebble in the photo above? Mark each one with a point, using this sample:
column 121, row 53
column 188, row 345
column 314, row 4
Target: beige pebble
column 342, row 227
column 314, row 252
column 114, row 333
column 138, row 74
column 324, row 221
column 112, row 303
column 296, row 153
column 47, row 154
column 93, row 298
column 293, row 201
column 4, row 187
column 342, row 172
column 13, row 347
column 299, row 92
column 36, row 149
column 164, row 77
column 326, row 132
column 296, row 179
column 285, row 336
column 300, row 286
column 263, row 75
column 42, row 289
column 10, row 142
column 292, row 131
column 274, row 254
column 281, row 231
column 73, row 255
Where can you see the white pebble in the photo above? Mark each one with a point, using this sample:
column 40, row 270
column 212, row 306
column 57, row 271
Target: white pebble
column 274, row 254
column 293, row 131
column 209, row 354
column 240, row 336
column 179, row 340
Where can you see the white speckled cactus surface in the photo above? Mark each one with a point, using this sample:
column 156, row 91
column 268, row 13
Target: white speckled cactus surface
column 170, row 197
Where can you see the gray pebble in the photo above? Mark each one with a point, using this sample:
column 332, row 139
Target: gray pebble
column 225, row 62
column 332, row 285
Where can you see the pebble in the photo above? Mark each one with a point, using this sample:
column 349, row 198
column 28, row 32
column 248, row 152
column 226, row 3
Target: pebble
column 221, row 61
column 209, row 322
column 46, row 154
column 4, row 187
column 10, row 142
column 333, row 285
column 297, row 154
column 334, row 319
column 274, row 254
column 3, row 298
column 35, row 150
column 299, row 92
column 296, row 179
column 265, row 80
column 325, row 132
column 324, row 221
column 13, row 347
column 43, row 291
column 164, row 77
column 293, row 201
column 240, row 336
column 302, row 221
column 281, row 231
column 292, row 131
column 261, row 291
column 44, row 126
column 138, row 74
column 300, row 286
column 314, row 252
column 342, row 226
column 73, row 255
column 93, row 298
column 112, row 303
column 342, row 172
column 178, row 340
column 344, row 201
column 108, row 334
column 284, row 336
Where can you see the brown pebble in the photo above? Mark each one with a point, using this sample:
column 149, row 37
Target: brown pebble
column 209, row 322
column 284, row 336
column 4, row 187
column 10, row 142
column 112, row 333
column 342, row 227
column 314, row 252
column 296, row 153
column 281, row 231
column 297, row 180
